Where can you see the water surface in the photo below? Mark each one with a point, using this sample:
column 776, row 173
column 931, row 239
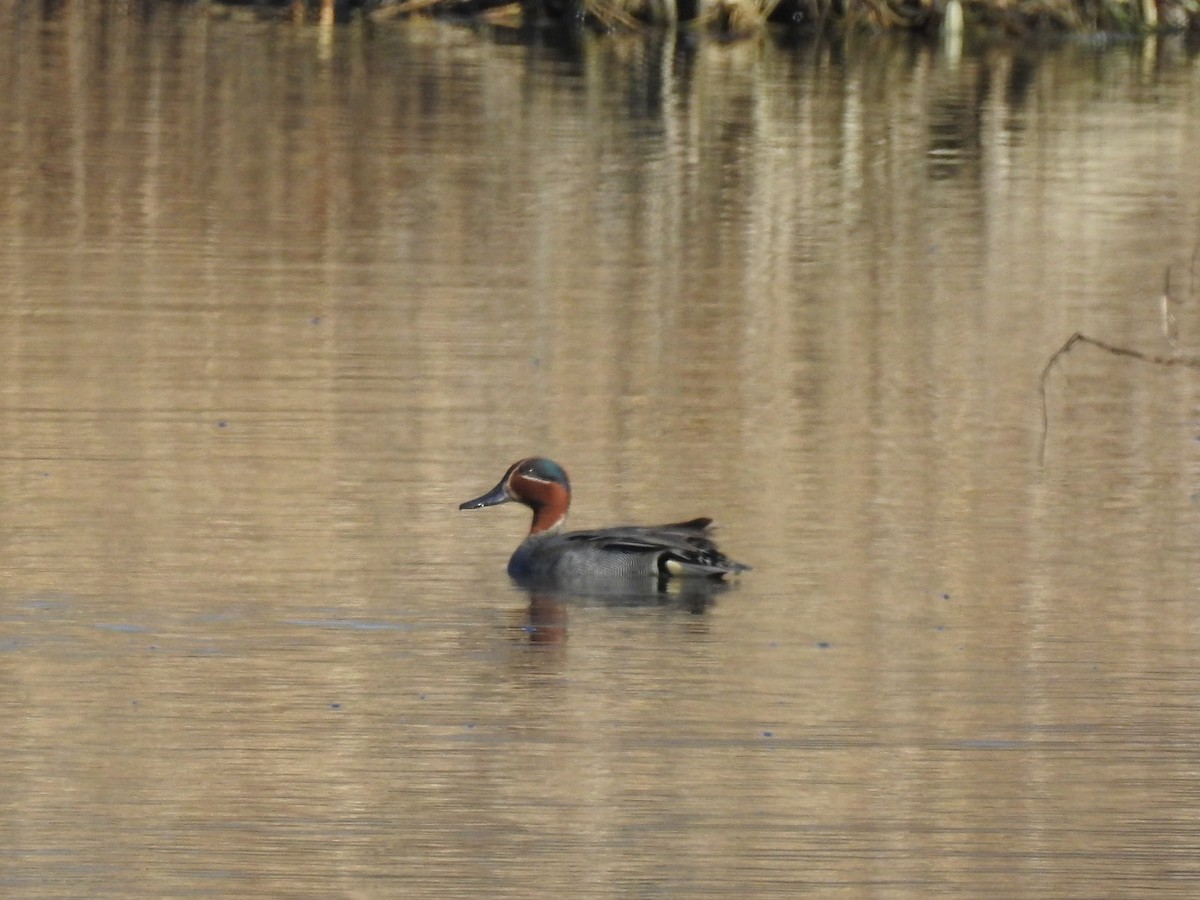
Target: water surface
column 273, row 301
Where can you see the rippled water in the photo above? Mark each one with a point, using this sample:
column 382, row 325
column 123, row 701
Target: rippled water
column 274, row 300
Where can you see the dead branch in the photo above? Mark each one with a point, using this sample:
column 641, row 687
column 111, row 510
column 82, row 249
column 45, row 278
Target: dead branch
column 1170, row 333
column 1175, row 359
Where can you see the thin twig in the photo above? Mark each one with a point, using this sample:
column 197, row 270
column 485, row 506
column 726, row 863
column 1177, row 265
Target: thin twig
column 394, row 10
column 1177, row 359
column 1170, row 328
column 1192, row 271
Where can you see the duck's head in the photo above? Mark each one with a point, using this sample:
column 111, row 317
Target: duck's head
column 541, row 484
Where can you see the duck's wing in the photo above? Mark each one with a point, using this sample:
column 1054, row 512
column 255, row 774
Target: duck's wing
column 680, row 548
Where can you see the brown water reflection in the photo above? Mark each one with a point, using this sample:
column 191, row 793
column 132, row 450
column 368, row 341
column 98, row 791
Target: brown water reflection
column 273, row 300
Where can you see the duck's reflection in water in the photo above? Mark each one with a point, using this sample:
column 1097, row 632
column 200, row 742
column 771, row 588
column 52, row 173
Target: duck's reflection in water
column 546, row 621
column 547, row 613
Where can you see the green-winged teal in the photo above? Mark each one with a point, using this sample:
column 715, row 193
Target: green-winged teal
column 628, row 553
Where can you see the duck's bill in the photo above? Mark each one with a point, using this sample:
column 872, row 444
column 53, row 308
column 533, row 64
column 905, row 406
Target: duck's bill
column 496, row 495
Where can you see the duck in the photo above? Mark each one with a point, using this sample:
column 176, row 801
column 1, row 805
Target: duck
column 627, row 554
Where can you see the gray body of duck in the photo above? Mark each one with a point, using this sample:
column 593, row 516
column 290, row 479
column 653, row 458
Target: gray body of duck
column 624, row 555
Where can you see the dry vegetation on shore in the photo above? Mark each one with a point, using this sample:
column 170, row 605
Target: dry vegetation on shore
column 1002, row 17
